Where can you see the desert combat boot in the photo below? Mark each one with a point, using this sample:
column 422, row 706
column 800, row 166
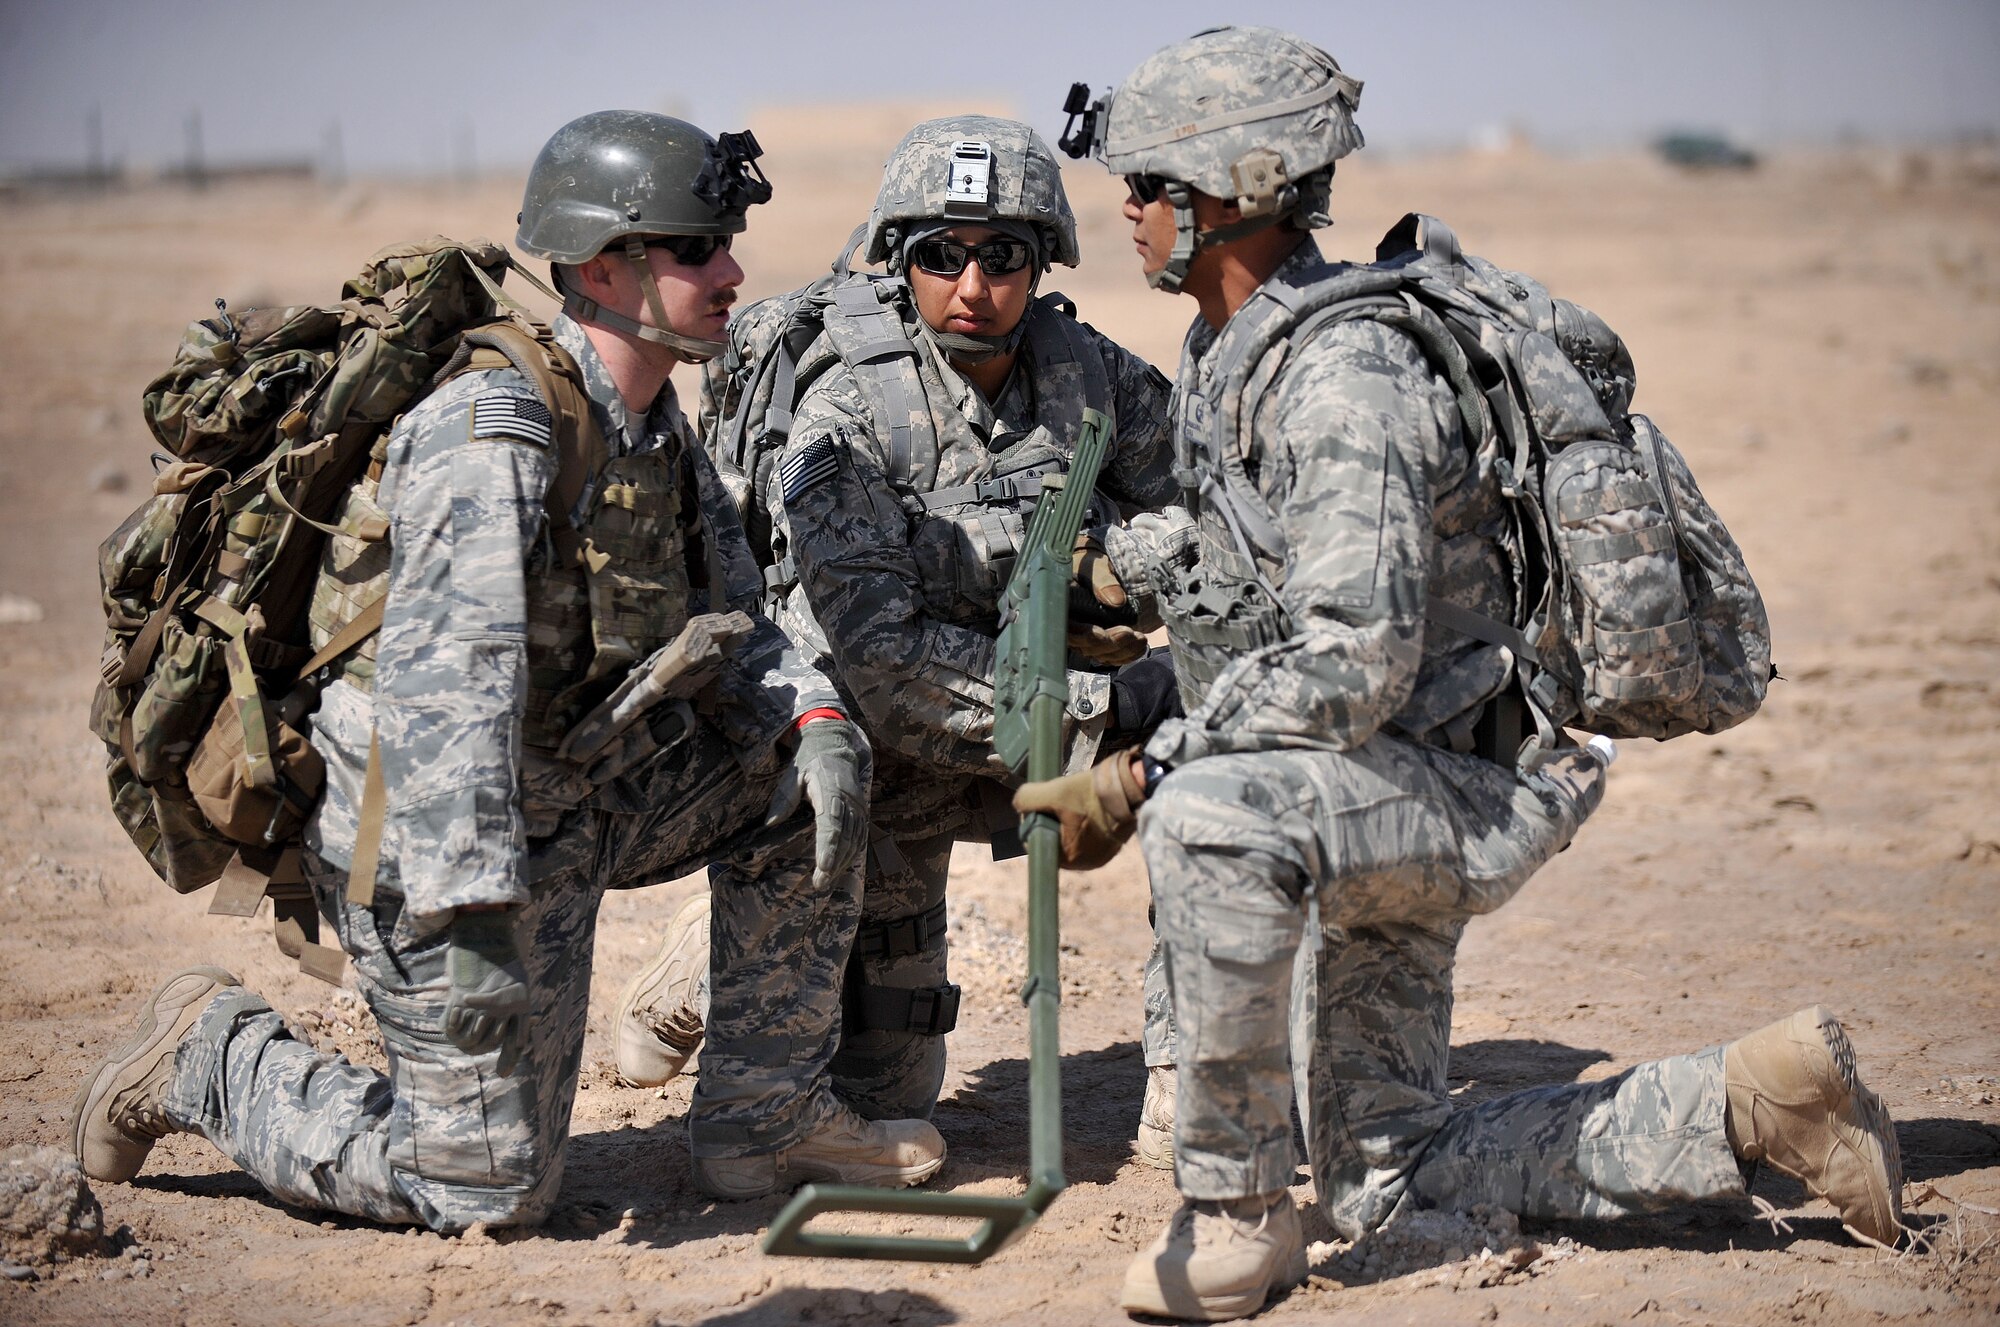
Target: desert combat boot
column 1155, row 1144
column 1218, row 1260
column 120, row 1113
column 846, row 1149
column 1796, row 1101
column 659, row 1018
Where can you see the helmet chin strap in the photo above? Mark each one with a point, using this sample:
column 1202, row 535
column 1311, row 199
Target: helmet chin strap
column 693, row 349
column 1188, row 241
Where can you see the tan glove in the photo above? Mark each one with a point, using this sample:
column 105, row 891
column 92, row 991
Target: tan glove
column 1100, row 612
column 1098, row 808
column 1091, row 567
column 1109, row 647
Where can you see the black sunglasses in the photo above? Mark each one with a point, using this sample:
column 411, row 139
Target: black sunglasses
column 949, row 257
column 1145, row 188
column 691, row 250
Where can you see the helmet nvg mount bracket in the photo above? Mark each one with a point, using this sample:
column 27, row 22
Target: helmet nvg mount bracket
column 1254, row 116
column 611, row 179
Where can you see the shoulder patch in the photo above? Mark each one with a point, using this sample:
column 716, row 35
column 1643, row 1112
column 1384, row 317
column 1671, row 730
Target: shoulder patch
column 809, row 465
column 519, row 418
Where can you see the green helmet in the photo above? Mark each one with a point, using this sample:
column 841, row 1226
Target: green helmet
column 611, row 178
column 974, row 168
column 1252, row 115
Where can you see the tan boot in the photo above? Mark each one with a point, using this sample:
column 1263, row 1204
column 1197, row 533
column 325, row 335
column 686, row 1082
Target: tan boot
column 1218, row 1260
column 1796, row 1102
column 888, row 1154
column 659, row 1023
column 119, row 1113
column 1155, row 1144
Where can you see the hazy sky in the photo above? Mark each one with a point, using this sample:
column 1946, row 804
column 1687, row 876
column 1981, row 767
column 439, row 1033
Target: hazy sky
column 431, row 84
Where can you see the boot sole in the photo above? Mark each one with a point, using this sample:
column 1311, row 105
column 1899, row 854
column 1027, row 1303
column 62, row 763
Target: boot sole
column 152, row 1030
column 641, row 1045
column 1872, row 1116
column 874, row 1177
column 1874, row 1119
column 1154, row 1147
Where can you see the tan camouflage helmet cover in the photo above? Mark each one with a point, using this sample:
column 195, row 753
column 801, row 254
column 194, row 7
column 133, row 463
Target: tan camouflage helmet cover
column 1215, row 110
column 936, row 173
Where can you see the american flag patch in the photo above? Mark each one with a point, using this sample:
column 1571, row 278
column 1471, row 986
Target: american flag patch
column 522, row 418
column 813, row 463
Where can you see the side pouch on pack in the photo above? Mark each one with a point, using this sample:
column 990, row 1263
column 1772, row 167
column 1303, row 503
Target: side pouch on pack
column 1627, row 615
column 1732, row 632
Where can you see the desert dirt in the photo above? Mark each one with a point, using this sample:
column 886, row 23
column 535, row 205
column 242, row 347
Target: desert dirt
column 1820, row 336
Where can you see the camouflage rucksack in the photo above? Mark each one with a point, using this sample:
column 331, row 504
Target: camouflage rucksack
column 208, row 670
column 1636, row 614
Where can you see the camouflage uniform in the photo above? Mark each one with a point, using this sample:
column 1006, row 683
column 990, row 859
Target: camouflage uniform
column 909, row 638
column 477, row 618
column 1318, row 776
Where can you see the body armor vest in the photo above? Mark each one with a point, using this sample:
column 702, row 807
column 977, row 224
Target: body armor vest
column 601, row 595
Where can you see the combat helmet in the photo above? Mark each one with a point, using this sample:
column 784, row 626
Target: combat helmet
column 1252, row 115
column 617, row 177
column 971, row 168
column 979, row 169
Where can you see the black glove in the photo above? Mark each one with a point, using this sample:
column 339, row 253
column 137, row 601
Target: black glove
column 1144, row 695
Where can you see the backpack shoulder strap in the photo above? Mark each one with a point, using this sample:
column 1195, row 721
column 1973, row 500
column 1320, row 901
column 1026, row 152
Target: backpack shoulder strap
column 1057, row 341
column 580, row 449
column 865, row 324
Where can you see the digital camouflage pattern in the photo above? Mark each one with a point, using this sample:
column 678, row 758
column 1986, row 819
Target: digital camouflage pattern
column 476, row 592
column 1255, row 90
column 446, row 1140
column 901, row 608
column 891, row 618
column 1300, row 787
column 1023, row 184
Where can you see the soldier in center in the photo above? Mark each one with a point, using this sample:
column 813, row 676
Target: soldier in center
column 939, row 397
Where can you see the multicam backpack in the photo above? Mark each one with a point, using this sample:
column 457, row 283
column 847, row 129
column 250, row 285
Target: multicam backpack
column 273, row 414
column 1636, row 614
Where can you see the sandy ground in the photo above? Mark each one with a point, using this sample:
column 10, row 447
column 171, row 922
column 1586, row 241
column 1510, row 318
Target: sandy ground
column 1821, row 337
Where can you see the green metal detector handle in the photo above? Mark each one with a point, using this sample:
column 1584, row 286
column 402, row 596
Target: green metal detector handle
column 1030, row 691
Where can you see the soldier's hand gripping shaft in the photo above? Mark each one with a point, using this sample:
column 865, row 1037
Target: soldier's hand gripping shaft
column 830, row 769
column 1101, row 616
column 1097, row 808
column 487, row 1007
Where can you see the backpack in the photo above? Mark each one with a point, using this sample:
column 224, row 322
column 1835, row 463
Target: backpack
column 780, row 345
column 208, row 672
column 1635, row 614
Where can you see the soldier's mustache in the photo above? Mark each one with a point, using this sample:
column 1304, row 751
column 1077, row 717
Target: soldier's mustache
column 722, row 302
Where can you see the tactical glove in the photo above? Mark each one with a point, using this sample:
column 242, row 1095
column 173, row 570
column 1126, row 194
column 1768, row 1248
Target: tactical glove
column 1144, row 695
column 831, row 770
column 1095, row 593
column 487, row 1007
column 1102, row 621
column 1097, row 808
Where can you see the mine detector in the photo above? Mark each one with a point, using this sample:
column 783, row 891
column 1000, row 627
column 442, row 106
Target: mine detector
column 1030, row 690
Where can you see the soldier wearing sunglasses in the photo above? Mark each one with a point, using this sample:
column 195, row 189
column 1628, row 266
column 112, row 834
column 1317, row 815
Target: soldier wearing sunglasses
column 944, row 392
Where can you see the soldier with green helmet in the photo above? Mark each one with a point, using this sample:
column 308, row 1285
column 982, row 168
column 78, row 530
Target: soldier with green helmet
column 1345, row 753
column 508, row 625
column 936, row 399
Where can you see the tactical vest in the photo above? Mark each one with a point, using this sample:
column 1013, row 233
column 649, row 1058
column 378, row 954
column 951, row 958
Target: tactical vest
column 602, row 594
column 966, row 534
column 1599, row 577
